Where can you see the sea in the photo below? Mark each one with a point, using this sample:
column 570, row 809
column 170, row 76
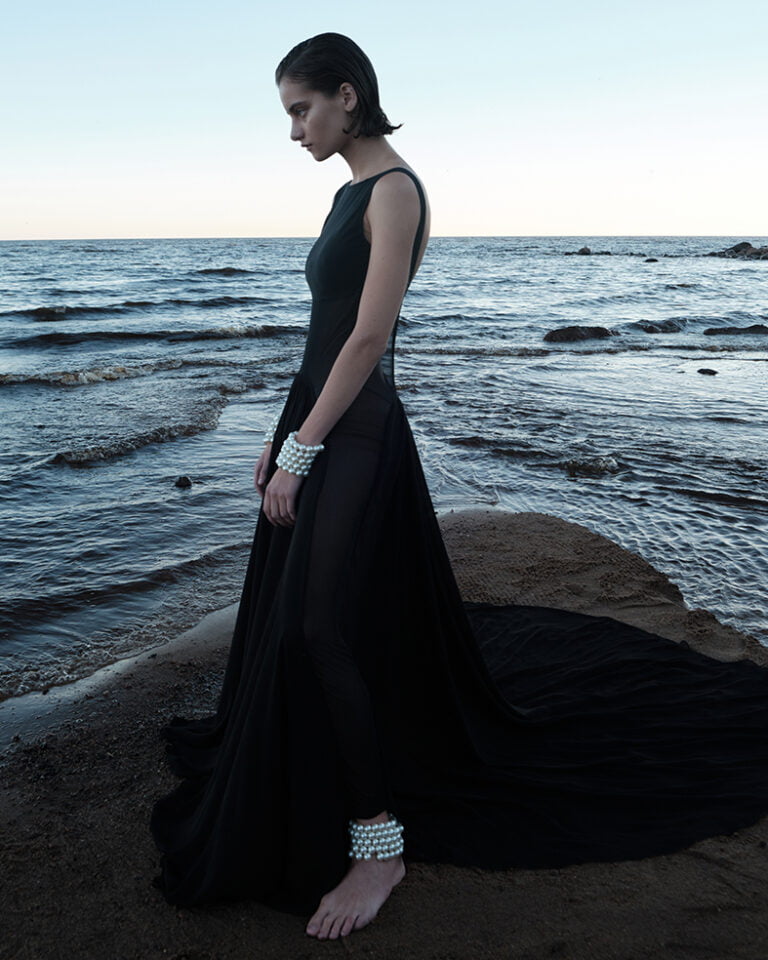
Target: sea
column 126, row 365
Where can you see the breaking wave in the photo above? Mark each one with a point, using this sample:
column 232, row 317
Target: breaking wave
column 77, row 378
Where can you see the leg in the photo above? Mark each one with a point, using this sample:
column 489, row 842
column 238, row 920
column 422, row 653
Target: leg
column 329, row 592
column 340, row 511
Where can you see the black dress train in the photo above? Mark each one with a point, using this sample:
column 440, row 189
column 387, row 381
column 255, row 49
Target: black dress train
column 358, row 681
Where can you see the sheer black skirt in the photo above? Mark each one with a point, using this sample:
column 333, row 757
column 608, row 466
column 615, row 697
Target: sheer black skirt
column 501, row 736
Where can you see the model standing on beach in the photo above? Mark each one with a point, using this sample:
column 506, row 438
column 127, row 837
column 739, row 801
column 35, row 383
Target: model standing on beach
column 331, row 115
column 366, row 711
column 342, row 400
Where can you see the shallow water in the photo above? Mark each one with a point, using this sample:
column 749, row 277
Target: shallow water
column 126, row 364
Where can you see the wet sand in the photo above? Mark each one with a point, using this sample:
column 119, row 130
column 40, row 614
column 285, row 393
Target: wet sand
column 79, row 779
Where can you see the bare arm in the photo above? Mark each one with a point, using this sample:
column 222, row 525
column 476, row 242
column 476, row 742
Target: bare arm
column 393, row 214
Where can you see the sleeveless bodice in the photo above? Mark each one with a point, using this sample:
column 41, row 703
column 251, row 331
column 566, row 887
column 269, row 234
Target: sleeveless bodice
column 335, row 270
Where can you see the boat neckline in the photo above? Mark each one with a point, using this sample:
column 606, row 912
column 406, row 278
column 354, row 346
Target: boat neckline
column 356, row 183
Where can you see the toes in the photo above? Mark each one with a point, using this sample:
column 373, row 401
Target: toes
column 348, row 925
column 315, row 923
column 325, row 926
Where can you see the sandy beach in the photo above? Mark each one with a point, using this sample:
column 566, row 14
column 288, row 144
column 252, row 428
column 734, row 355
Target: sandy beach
column 84, row 765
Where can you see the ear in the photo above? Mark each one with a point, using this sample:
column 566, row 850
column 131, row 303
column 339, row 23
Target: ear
column 348, row 96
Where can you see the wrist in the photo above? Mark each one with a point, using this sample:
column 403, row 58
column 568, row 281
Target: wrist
column 307, row 439
column 296, row 457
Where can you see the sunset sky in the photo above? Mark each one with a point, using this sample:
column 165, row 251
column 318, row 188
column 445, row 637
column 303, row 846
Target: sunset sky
column 162, row 119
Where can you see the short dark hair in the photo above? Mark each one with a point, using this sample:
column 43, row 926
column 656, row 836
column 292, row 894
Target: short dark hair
column 326, row 61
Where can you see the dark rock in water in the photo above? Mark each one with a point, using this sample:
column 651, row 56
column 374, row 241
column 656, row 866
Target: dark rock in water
column 569, row 334
column 759, row 328
column 586, row 252
column 184, row 482
column 591, row 466
column 742, row 251
column 651, row 260
column 663, row 326
column 706, row 370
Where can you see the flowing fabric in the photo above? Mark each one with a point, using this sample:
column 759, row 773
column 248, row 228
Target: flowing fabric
column 358, row 681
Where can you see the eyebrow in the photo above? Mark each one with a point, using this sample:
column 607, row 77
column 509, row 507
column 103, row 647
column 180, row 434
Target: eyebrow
column 295, row 106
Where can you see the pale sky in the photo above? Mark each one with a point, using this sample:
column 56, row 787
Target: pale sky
column 585, row 117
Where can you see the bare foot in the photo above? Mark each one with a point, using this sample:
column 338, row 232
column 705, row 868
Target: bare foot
column 357, row 899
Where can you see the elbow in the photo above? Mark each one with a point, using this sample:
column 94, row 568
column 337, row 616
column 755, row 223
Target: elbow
column 371, row 346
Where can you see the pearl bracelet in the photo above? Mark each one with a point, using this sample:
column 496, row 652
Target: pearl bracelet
column 380, row 840
column 296, row 457
column 269, row 435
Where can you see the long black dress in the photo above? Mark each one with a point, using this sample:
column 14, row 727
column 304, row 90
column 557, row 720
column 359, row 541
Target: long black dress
column 357, row 681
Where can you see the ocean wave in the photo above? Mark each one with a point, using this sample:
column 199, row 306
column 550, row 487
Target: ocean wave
column 224, row 271
column 64, row 600
column 77, row 378
column 717, row 496
column 88, row 375
column 231, row 332
column 608, row 298
column 756, row 329
column 70, row 311
column 498, row 351
column 115, row 642
column 581, row 349
column 63, row 312
column 112, row 447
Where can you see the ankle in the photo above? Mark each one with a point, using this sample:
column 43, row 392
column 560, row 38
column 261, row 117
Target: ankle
column 378, row 838
column 382, row 817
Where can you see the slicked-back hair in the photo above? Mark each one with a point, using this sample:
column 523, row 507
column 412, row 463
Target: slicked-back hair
column 326, row 61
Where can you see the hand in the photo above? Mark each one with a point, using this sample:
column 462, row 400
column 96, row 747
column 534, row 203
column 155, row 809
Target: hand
column 260, row 470
column 280, row 498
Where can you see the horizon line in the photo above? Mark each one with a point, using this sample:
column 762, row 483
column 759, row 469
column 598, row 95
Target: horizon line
column 437, row 236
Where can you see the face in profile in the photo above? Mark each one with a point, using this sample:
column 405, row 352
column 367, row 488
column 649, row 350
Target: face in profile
column 317, row 120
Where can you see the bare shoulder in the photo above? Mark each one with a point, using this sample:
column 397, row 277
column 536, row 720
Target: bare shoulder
column 395, row 209
column 397, row 188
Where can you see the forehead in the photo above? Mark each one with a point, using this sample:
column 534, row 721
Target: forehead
column 292, row 92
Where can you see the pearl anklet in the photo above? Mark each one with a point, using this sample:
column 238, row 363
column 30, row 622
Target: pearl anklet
column 380, row 840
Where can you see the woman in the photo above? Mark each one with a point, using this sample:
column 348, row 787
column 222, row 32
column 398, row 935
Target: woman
column 356, row 698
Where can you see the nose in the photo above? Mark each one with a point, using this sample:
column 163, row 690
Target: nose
column 296, row 130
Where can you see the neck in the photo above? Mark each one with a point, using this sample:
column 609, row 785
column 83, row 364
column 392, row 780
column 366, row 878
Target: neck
column 369, row 155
